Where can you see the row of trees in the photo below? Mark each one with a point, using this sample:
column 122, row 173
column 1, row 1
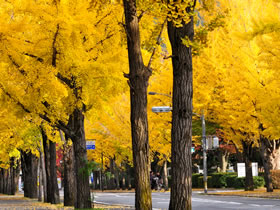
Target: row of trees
column 57, row 61
column 235, row 83
column 62, row 64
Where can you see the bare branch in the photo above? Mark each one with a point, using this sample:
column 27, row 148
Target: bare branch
column 158, row 43
column 54, row 55
column 141, row 15
column 167, row 57
column 96, row 24
column 34, row 56
column 22, row 71
column 101, row 41
column 65, row 80
column 126, row 75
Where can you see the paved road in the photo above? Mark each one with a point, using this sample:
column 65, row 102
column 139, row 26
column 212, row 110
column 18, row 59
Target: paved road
column 199, row 201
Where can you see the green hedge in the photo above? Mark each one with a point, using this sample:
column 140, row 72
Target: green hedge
column 220, row 180
column 258, row 181
column 201, row 182
column 231, row 181
column 195, row 180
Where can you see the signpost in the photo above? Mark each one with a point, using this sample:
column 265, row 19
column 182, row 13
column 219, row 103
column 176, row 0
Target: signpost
column 241, row 172
column 255, row 169
column 90, row 145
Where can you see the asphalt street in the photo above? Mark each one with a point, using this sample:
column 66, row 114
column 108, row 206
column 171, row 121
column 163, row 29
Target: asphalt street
column 199, row 201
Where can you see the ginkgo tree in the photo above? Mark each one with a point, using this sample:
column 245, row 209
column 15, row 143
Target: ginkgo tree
column 54, row 58
column 233, row 82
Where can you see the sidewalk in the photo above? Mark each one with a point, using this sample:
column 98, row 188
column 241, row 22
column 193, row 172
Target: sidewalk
column 257, row 193
column 18, row 202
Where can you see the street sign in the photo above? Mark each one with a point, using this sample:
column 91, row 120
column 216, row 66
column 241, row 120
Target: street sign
column 193, row 150
column 241, row 172
column 215, row 142
column 161, row 109
column 90, row 145
column 255, row 169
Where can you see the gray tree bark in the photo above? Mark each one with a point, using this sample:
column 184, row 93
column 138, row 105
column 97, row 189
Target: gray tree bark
column 181, row 133
column 138, row 81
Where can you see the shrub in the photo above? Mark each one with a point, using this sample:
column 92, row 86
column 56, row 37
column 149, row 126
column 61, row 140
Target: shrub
column 169, row 181
column 216, row 179
column 239, row 182
column 195, row 180
column 230, row 180
column 209, row 181
column 219, row 179
column 258, row 181
column 275, row 175
column 201, row 181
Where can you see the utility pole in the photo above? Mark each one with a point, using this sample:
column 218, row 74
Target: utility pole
column 204, row 153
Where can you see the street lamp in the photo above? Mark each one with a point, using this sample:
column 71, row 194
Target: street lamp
column 168, row 109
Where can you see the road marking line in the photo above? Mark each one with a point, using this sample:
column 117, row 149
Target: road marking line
column 255, row 205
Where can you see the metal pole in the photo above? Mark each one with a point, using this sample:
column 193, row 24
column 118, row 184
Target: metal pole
column 102, row 187
column 204, row 153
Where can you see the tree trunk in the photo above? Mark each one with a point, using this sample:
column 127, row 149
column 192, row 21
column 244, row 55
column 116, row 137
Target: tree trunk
column 165, row 176
column 83, row 198
column 100, row 179
column 10, row 177
column 47, row 164
column 69, row 182
column 40, row 181
column 44, row 177
column 50, row 166
column 274, row 158
column 69, row 172
column 138, row 81
column 112, row 184
column 117, row 176
column 1, row 180
column 128, row 177
column 224, row 155
column 8, row 189
column 123, row 180
column 16, row 171
column 5, row 181
column 247, row 155
column 270, row 158
column 54, row 186
column 95, row 177
column 181, row 133
column 29, row 165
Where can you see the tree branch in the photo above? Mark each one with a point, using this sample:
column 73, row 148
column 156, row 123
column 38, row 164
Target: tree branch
column 96, row 24
column 158, row 43
column 141, row 15
column 14, row 99
column 34, row 56
column 65, row 80
column 22, row 71
column 54, row 55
